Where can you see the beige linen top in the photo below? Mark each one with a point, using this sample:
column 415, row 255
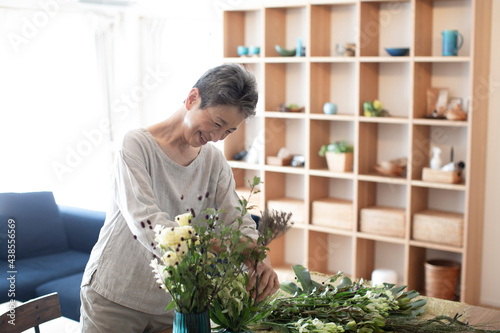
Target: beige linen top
column 149, row 189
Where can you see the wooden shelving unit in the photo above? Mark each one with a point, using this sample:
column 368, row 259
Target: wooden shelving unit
column 401, row 84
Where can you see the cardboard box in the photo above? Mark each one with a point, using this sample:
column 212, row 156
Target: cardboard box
column 334, row 213
column 386, row 221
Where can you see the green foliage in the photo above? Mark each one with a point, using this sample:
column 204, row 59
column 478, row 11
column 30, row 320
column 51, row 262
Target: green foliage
column 335, row 306
column 336, row 147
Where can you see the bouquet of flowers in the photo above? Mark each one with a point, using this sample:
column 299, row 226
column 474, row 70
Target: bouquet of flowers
column 204, row 261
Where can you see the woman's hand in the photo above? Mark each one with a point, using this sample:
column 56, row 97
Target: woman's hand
column 268, row 279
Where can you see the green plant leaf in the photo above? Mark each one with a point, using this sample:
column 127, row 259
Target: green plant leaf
column 290, row 287
column 304, row 278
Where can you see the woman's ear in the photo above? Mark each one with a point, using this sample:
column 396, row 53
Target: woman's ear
column 192, row 99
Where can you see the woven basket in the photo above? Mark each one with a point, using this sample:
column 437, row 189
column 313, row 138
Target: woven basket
column 441, row 279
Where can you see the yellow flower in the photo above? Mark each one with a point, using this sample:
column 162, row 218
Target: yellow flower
column 184, row 219
column 377, row 105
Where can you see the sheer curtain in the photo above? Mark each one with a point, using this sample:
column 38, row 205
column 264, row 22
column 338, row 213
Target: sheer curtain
column 54, row 129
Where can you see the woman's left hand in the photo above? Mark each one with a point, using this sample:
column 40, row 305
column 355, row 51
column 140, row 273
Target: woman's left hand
column 268, row 279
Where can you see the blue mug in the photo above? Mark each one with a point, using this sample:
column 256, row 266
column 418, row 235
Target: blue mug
column 452, row 42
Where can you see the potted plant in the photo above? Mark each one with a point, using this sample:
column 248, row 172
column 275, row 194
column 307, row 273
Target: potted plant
column 339, row 155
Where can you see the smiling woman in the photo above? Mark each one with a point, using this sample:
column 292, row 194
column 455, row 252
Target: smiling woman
column 160, row 172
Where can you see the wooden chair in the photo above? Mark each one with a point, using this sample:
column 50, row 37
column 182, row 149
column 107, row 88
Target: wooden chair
column 31, row 314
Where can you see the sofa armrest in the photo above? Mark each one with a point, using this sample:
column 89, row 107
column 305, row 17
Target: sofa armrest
column 82, row 227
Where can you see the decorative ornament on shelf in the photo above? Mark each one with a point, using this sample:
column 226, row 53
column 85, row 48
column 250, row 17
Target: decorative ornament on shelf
column 339, row 155
column 392, row 168
column 374, row 109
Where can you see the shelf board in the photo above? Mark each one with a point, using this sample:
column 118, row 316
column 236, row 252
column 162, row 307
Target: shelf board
column 440, row 122
column 333, row 59
column 443, row 186
column 387, row 239
column 288, row 60
column 332, row 231
column 384, row 120
column 442, row 59
column 332, row 117
column 243, row 165
column 436, row 246
column 382, row 179
column 285, row 169
column 287, row 115
column 387, row 59
column 243, row 60
column 327, row 173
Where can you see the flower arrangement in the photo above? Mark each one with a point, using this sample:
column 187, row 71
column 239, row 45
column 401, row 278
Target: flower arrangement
column 204, row 261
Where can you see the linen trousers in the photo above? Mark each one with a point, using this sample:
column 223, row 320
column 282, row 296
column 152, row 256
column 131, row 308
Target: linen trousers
column 100, row 315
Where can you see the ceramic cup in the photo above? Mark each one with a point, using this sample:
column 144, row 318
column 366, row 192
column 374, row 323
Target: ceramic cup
column 452, row 42
column 253, row 50
column 242, row 50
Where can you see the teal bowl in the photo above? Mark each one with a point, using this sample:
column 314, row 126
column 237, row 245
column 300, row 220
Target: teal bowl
column 397, row 51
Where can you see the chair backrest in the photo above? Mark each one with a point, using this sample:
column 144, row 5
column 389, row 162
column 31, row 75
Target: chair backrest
column 31, row 314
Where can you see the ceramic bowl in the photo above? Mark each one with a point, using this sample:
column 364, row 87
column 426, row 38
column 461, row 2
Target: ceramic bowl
column 397, row 51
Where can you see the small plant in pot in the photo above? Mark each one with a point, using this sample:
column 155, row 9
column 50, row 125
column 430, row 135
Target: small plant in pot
column 339, row 155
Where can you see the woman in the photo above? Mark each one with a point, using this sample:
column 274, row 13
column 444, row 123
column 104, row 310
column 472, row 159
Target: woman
column 161, row 172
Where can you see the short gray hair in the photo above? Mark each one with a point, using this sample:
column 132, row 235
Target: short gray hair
column 229, row 84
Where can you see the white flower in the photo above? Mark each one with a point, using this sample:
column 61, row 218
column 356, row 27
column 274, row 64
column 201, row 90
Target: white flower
column 170, row 258
column 161, row 273
column 184, row 219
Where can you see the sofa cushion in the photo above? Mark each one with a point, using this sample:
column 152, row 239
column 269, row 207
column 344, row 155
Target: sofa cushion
column 82, row 227
column 68, row 289
column 32, row 272
column 35, row 214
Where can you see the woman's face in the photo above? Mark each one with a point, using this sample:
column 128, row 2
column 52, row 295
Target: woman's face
column 210, row 124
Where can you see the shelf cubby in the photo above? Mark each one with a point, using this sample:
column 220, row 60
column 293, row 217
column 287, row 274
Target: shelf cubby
column 327, row 253
column 243, row 28
column 384, row 24
column 325, row 132
column 381, row 142
column 333, row 82
column 284, row 25
column 333, row 24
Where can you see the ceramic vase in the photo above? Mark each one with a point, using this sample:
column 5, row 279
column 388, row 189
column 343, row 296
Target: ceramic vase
column 192, row 322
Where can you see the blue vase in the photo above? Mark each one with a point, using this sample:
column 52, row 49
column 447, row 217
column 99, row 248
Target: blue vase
column 192, row 322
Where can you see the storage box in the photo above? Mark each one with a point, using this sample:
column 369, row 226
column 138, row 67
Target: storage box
column 380, row 220
column 438, row 227
column 280, row 161
column 439, row 176
column 334, row 213
column 289, row 205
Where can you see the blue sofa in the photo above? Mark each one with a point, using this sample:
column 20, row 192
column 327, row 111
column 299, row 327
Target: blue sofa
column 51, row 245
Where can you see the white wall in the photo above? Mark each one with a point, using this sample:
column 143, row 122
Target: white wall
column 490, row 293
